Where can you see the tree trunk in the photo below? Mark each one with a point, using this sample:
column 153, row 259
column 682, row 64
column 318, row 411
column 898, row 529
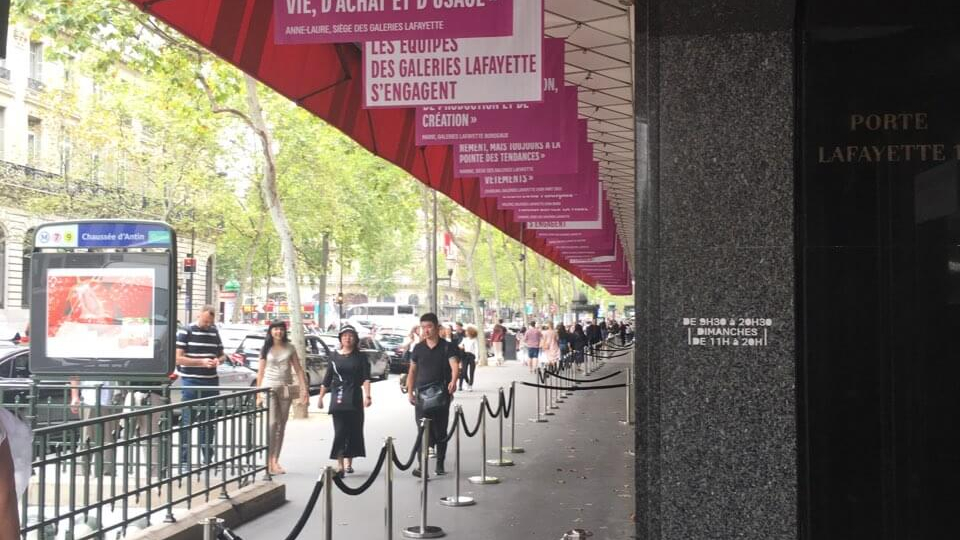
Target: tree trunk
column 426, row 207
column 493, row 271
column 247, row 274
column 515, row 264
column 322, row 293
column 271, row 199
column 468, row 257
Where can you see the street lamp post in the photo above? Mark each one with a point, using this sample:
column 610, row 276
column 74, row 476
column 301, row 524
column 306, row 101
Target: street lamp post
column 533, row 291
column 339, row 301
column 436, row 288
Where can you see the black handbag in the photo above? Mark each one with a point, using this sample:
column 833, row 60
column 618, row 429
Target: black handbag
column 341, row 398
column 432, row 397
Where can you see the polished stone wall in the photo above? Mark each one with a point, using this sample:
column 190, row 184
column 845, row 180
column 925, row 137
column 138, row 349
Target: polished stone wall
column 716, row 448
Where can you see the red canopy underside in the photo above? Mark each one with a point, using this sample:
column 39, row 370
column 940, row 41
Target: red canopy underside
column 326, row 80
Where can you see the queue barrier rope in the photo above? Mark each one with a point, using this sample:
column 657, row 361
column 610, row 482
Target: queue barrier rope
column 505, row 408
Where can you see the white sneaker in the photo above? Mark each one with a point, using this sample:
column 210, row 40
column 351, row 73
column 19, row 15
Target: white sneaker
column 469, row 388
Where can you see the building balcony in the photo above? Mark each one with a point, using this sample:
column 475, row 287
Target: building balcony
column 35, row 85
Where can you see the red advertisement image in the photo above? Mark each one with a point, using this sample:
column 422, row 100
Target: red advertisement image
column 100, row 313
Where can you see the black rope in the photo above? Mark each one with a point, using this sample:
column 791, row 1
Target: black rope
column 467, row 431
column 307, row 512
column 366, row 485
column 451, row 432
column 607, row 357
column 413, row 453
column 486, row 404
column 605, row 377
column 508, row 410
column 600, row 387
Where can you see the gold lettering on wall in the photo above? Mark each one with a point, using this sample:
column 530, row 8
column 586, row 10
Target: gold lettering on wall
column 888, row 122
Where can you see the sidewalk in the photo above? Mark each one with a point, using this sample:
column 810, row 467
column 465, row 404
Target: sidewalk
column 574, row 473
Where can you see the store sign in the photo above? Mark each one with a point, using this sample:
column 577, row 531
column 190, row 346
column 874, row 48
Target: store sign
column 556, row 153
column 429, row 72
column 349, row 21
column 449, row 124
column 104, row 235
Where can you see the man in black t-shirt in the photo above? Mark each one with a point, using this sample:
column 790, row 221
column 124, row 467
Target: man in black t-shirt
column 432, row 361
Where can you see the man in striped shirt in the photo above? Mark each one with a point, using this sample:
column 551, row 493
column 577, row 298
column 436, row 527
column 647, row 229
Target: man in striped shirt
column 199, row 352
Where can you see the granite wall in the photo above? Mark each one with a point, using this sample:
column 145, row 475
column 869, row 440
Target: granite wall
column 716, row 413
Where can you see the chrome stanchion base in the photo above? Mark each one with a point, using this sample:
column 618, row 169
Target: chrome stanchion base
column 457, row 501
column 500, row 462
column 554, row 407
column 516, row 449
column 548, row 413
column 537, row 420
column 484, row 480
column 429, row 532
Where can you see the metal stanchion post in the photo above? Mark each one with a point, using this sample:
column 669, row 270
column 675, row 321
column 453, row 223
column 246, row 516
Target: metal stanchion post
column 328, row 503
column 388, row 509
column 457, row 500
column 546, row 398
column 561, row 393
column 513, row 448
column 483, row 478
column 500, row 462
column 539, row 419
column 423, row 530
column 628, row 413
column 554, row 392
column 211, row 527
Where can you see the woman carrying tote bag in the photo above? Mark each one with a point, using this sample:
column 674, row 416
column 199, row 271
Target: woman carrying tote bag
column 347, row 380
column 278, row 364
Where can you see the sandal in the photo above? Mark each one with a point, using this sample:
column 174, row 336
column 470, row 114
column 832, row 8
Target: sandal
column 349, row 470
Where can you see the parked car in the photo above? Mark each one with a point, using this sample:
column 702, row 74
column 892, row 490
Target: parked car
column 248, row 354
column 397, row 352
column 52, row 400
column 376, row 355
column 232, row 334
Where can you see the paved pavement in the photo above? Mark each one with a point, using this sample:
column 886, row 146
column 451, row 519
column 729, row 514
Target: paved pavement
column 574, row 473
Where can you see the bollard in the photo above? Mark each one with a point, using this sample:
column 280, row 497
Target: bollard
column 539, row 419
column 628, row 413
column 483, row 478
column 513, row 448
column 388, row 508
column 328, row 503
column 561, row 393
column 546, row 398
column 457, row 500
column 211, row 527
column 553, row 393
column 423, row 530
column 500, row 462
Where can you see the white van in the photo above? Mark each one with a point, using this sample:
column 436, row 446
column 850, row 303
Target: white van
column 384, row 315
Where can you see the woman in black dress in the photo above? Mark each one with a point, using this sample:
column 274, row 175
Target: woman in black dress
column 347, row 373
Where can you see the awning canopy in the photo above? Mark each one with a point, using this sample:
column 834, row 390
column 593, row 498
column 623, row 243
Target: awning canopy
column 326, row 80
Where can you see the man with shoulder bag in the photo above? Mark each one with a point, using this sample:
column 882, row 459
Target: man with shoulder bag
column 431, row 383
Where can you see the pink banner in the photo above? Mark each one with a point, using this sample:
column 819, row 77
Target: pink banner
column 556, row 206
column 350, row 21
column 448, row 124
column 556, row 154
column 502, row 185
column 573, row 191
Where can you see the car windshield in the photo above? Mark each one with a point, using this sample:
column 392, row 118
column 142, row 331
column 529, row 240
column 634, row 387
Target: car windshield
column 390, row 339
column 252, row 344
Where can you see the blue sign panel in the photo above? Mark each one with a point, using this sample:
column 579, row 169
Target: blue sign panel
column 104, row 235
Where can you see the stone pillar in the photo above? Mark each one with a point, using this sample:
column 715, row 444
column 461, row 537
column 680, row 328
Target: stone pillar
column 716, row 415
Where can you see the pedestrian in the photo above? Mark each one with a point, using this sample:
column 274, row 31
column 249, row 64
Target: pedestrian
column 199, row 352
column 522, row 345
column 16, row 450
column 468, row 357
column 348, row 381
column 431, row 383
column 593, row 333
column 623, row 333
column 563, row 339
column 458, row 334
column 496, row 341
column 278, row 364
column 532, row 340
column 89, row 403
column 549, row 346
column 579, row 339
column 603, row 332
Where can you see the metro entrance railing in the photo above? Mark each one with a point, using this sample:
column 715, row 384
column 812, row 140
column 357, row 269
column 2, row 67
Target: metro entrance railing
column 102, row 476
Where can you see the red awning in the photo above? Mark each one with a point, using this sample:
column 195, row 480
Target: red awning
column 326, row 80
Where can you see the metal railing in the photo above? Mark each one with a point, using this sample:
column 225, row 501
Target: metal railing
column 132, row 462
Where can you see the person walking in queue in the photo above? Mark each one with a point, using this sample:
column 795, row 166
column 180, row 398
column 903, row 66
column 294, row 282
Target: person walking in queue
column 549, row 346
column 434, row 368
column 278, row 363
column 532, row 340
column 348, row 381
column 496, row 341
column 563, row 339
column 522, row 346
column 199, row 352
column 468, row 358
column 579, row 340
